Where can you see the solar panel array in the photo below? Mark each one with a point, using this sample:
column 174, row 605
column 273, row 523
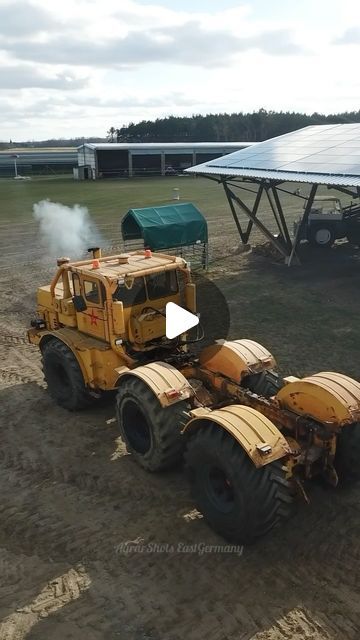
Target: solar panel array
column 322, row 151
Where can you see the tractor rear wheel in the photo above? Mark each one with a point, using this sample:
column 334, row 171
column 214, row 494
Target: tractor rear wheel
column 239, row 501
column 152, row 433
column 321, row 235
column 348, row 452
column 63, row 376
column 265, row 383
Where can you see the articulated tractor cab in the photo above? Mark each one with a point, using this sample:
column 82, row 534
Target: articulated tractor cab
column 251, row 440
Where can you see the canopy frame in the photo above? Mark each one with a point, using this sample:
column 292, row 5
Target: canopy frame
column 327, row 155
column 283, row 242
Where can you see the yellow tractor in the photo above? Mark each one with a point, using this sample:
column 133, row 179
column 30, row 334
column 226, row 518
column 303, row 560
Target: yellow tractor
column 251, row 440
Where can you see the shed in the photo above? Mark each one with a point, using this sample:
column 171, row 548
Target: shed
column 130, row 159
column 167, row 227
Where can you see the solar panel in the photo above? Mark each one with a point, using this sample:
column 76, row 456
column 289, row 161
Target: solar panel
column 314, row 152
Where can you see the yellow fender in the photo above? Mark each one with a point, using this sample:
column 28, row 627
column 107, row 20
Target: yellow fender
column 92, row 355
column 258, row 436
column 236, row 359
column 327, row 397
column 70, row 338
column 166, row 382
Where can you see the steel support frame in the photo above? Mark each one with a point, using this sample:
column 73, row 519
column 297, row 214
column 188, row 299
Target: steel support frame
column 244, row 234
column 283, row 243
column 303, row 222
column 348, row 192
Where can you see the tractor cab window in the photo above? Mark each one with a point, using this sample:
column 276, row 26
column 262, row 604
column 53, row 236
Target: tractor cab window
column 161, row 285
column 132, row 293
column 91, row 291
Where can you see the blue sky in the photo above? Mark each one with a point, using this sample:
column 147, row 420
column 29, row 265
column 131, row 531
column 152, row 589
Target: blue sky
column 70, row 69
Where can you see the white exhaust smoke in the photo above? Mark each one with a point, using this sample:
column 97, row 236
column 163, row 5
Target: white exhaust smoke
column 65, row 230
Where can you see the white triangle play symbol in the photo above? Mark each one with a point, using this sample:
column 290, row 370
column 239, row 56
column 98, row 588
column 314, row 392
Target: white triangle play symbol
column 178, row 320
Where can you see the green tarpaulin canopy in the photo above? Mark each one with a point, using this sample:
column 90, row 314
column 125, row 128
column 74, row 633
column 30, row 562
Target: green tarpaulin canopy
column 175, row 225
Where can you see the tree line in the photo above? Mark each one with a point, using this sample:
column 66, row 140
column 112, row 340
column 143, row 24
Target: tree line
column 224, row 127
column 52, row 142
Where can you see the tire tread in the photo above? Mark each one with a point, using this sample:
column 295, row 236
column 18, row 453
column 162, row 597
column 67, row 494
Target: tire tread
column 269, row 500
column 166, row 424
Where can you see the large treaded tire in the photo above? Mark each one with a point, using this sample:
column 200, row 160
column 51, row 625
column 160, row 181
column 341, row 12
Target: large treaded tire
column 265, row 383
column 317, row 228
column 347, row 459
column 151, row 433
column 63, row 376
column 250, row 502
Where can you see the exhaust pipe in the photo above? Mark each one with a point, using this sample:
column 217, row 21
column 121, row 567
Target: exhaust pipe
column 96, row 251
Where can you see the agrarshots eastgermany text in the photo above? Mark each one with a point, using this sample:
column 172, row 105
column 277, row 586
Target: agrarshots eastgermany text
column 199, row 548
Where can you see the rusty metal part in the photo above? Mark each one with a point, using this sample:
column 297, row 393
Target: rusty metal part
column 259, row 437
column 166, row 382
column 287, row 414
column 330, row 398
column 295, row 447
column 230, row 391
column 236, row 359
column 202, row 395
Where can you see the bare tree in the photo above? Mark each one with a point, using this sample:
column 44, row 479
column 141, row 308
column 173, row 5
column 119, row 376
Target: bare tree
column 111, row 134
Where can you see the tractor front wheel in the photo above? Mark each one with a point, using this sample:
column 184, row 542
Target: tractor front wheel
column 63, row 376
column 152, row 433
column 239, row 501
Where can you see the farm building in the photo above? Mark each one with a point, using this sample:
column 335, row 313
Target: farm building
column 37, row 161
column 127, row 160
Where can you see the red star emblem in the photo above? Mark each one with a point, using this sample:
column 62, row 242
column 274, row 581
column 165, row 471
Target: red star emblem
column 93, row 318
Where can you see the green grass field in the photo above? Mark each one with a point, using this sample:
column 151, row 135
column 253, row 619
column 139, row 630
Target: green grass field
column 107, row 198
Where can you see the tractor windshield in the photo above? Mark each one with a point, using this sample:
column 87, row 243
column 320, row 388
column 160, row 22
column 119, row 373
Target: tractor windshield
column 132, row 295
column 161, row 285
column 152, row 287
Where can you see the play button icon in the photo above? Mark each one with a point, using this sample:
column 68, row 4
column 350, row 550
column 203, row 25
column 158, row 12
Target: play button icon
column 178, row 320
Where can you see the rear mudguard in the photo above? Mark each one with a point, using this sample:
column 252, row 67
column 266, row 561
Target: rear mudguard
column 236, row 359
column 165, row 381
column 327, row 397
column 258, row 436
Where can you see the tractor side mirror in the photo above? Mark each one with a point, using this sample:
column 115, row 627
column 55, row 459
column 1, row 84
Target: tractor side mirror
column 79, row 303
column 190, row 297
column 118, row 317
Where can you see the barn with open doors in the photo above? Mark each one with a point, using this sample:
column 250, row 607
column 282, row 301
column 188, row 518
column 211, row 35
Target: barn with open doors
column 128, row 160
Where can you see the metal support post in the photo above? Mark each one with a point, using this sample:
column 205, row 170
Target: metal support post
column 303, row 222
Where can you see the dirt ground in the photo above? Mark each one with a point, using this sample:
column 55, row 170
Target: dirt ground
column 71, row 497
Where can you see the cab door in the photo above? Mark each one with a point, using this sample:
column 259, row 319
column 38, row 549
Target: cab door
column 93, row 319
